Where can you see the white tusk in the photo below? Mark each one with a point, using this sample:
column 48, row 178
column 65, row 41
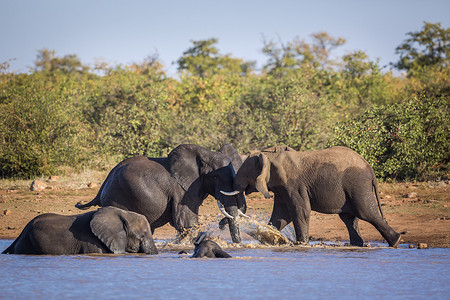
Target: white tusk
column 222, row 210
column 242, row 214
column 230, row 193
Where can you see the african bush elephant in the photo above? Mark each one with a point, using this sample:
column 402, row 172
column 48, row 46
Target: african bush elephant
column 171, row 189
column 106, row 230
column 336, row 180
column 208, row 248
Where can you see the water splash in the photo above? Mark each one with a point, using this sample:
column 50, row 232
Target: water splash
column 265, row 234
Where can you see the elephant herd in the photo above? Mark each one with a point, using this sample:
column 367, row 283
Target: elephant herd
column 141, row 194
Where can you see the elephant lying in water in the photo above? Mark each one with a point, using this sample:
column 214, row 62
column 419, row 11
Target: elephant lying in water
column 107, row 230
column 208, row 248
column 334, row 181
column 171, row 189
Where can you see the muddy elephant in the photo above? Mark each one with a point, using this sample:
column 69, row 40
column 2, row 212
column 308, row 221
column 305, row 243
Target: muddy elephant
column 171, row 189
column 106, row 230
column 336, row 180
column 208, row 248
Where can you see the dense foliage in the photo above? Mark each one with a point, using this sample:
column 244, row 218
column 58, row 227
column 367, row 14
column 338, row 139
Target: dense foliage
column 64, row 113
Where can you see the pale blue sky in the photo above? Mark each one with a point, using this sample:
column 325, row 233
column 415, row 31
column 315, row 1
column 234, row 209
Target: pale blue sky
column 121, row 32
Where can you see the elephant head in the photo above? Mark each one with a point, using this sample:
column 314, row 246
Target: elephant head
column 200, row 172
column 254, row 174
column 123, row 231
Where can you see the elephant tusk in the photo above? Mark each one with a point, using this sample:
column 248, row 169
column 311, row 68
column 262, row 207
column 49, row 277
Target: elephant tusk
column 242, row 214
column 222, row 210
column 230, row 193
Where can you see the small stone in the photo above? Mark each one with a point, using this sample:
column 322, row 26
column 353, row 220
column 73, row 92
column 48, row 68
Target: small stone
column 37, row 185
column 92, row 185
column 411, row 195
column 53, row 178
column 7, row 212
column 411, row 246
column 422, row 246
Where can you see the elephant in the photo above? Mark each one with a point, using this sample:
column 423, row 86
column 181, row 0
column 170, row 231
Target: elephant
column 171, row 189
column 106, row 230
column 208, row 248
column 336, row 180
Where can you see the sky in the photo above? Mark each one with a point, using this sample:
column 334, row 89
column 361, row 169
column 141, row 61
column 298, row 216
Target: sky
column 123, row 32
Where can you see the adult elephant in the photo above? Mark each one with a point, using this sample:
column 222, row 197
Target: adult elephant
column 107, row 230
column 334, row 181
column 171, row 189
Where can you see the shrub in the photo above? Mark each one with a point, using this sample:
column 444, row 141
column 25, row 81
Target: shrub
column 402, row 141
column 40, row 128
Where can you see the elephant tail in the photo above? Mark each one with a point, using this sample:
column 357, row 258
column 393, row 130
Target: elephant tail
column 95, row 201
column 377, row 195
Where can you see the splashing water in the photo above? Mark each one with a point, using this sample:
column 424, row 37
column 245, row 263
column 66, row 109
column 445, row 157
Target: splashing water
column 265, row 234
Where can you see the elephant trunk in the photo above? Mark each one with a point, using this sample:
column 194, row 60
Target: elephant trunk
column 147, row 246
column 233, row 224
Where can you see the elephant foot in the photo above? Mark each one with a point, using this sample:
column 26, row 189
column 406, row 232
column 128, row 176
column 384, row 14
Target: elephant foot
column 397, row 241
column 358, row 243
column 301, row 243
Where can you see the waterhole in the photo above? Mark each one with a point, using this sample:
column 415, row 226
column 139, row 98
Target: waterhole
column 270, row 266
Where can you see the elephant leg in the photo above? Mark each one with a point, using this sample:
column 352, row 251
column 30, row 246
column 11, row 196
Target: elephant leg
column 300, row 210
column 280, row 214
column 390, row 235
column 366, row 209
column 353, row 230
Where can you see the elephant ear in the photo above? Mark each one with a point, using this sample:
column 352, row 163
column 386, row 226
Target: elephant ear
column 264, row 176
column 108, row 226
column 236, row 159
column 184, row 165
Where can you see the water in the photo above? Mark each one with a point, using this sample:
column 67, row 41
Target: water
column 275, row 272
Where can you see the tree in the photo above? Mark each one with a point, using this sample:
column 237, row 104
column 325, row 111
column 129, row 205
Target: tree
column 203, row 59
column 297, row 53
column 47, row 61
column 429, row 47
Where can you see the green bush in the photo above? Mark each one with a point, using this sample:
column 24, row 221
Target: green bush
column 128, row 113
column 288, row 112
column 67, row 114
column 402, row 141
column 40, row 128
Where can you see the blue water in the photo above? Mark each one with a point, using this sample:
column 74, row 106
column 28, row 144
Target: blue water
column 302, row 273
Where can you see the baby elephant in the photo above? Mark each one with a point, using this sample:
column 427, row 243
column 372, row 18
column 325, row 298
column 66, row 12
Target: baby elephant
column 107, row 230
column 208, row 248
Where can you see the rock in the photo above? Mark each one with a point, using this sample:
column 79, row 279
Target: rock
column 7, row 212
column 92, row 185
column 37, row 185
column 411, row 195
column 422, row 246
column 53, row 178
column 411, row 246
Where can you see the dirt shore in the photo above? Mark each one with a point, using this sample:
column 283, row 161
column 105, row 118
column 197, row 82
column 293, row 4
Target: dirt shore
column 420, row 211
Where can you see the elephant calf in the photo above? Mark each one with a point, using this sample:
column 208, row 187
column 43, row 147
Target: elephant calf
column 107, row 230
column 208, row 248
